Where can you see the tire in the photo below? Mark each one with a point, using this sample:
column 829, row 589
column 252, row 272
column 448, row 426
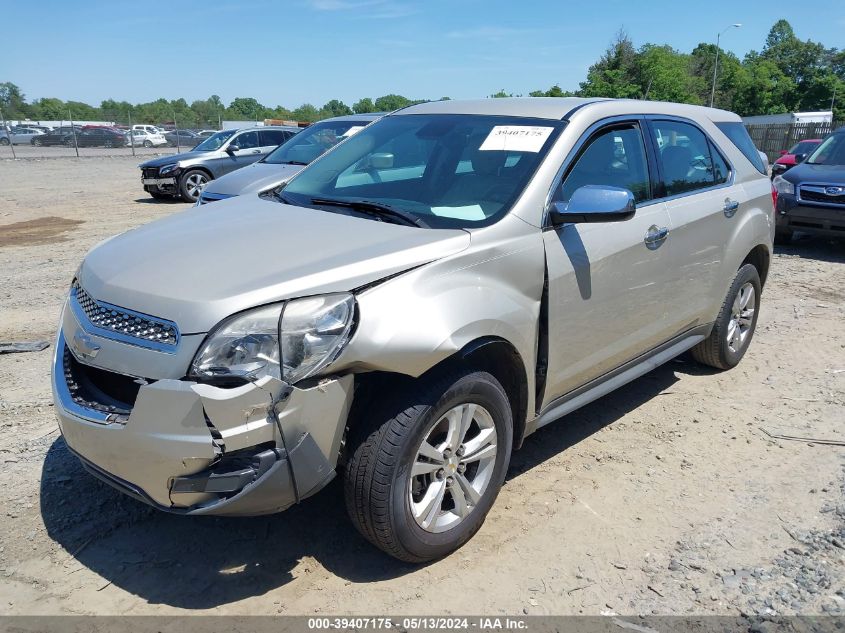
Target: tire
column 381, row 492
column 148, row 144
column 4, row 141
column 36, row 141
column 108, row 143
column 783, row 237
column 191, row 183
column 717, row 350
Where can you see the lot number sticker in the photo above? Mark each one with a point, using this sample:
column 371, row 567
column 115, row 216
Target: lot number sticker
column 516, row 138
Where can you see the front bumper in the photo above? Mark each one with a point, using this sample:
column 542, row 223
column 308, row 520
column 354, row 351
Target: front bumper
column 799, row 215
column 192, row 448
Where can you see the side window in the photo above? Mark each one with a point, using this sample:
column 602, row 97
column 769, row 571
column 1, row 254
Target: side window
column 721, row 171
column 247, row 140
column 684, row 154
column 273, row 137
column 615, row 157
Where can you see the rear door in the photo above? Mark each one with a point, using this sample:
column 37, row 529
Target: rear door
column 697, row 186
column 270, row 139
column 607, row 293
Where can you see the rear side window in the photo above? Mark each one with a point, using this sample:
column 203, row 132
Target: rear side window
column 273, row 137
column 686, row 157
column 739, row 136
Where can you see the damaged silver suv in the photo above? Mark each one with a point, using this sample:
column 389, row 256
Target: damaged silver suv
column 410, row 307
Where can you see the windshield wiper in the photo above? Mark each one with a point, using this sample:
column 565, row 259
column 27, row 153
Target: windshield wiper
column 292, row 162
column 375, row 208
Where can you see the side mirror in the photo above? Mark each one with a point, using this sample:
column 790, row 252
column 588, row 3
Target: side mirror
column 594, row 203
column 232, row 149
column 800, row 158
column 380, row 161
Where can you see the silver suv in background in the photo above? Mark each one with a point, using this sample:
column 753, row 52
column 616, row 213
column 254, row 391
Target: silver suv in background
column 184, row 175
column 287, row 160
column 410, row 307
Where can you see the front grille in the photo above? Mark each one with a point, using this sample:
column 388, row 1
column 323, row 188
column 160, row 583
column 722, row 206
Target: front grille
column 816, row 193
column 123, row 322
column 100, row 390
column 149, row 172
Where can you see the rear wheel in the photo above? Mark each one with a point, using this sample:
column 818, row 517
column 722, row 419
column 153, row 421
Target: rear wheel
column 36, row 141
column 4, row 141
column 422, row 477
column 148, row 143
column 734, row 327
column 191, row 184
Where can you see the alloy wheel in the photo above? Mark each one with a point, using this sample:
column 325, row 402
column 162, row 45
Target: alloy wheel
column 194, row 184
column 453, row 467
column 742, row 317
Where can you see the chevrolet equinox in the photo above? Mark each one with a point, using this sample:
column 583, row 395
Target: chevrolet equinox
column 410, row 307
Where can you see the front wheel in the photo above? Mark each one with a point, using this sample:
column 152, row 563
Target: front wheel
column 734, row 327
column 422, row 478
column 191, row 184
column 36, row 141
column 4, row 141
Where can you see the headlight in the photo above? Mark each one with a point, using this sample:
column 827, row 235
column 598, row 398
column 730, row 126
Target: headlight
column 246, row 346
column 782, row 185
column 314, row 332
column 167, row 169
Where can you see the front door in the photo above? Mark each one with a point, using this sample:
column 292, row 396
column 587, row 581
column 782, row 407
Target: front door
column 607, row 299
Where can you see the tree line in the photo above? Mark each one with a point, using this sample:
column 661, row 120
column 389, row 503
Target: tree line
column 787, row 75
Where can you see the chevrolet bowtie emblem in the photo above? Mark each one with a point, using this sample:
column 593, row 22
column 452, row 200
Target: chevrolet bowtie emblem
column 84, row 345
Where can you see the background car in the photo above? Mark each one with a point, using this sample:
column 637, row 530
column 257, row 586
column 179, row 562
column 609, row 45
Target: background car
column 98, row 137
column 184, row 175
column 287, row 160
column 145, row 138
column 811, row 195
column 56, row 136
column 23, row 135
column 206, row 133
column 182, row 138
column 788, row 158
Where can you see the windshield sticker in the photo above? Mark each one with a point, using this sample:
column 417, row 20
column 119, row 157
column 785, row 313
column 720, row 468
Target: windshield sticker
column 471, row 212
column 353, row 130
column 516, row 138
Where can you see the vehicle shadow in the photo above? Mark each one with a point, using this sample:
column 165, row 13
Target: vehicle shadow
column 205, row 562
column 811, row 247
column 152, row 200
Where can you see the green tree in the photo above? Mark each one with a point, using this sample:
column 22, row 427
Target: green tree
column 363, row 106
column 615, row 73
column 245, row 109
column 336, row 108
column 388, row 103
column 306, row 112
column 501, row 94
column 12, row 101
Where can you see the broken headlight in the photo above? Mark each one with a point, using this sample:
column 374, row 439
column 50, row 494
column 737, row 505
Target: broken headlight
column 248, row 346
column 314, row 332
column 244, row 346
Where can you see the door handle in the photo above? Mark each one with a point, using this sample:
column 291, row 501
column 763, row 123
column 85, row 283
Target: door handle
column 730, row 207
column 256, row 151
column 655, row 235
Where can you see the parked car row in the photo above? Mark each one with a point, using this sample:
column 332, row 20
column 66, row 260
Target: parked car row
column 140, row 135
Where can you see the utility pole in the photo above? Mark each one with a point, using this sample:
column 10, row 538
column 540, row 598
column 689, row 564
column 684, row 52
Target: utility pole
column 131, row 132
column 73, row 130
column 716, row 64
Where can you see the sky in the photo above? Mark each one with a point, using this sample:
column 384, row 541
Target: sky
column 289, row 52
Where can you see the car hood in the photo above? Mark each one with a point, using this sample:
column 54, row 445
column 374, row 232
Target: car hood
column 172, row 158
column 823, row 174
column 202, row 265
column 786, row 159
column 253, row 179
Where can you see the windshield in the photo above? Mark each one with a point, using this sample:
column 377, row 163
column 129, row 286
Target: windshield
column 215, row 141
column 830, row 152
column 449, row 170
column 804, row 147
column 312, row 142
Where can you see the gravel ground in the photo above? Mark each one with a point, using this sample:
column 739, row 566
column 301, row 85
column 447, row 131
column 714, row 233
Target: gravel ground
column 666, row 497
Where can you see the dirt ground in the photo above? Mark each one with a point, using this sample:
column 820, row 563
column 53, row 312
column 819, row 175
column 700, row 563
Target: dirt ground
column 665, row 497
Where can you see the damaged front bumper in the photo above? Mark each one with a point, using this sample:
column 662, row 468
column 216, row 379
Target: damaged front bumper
column 193, row 448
